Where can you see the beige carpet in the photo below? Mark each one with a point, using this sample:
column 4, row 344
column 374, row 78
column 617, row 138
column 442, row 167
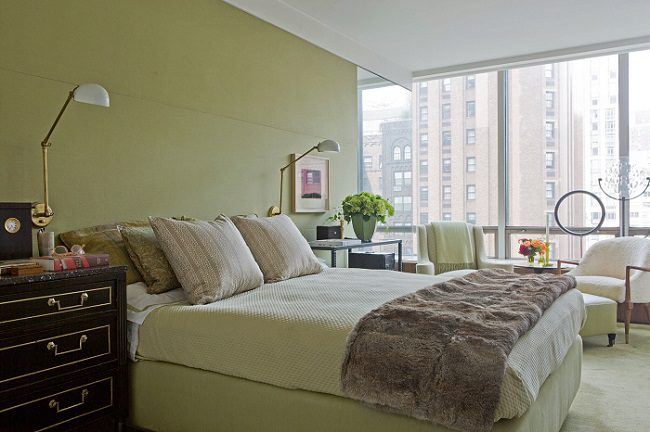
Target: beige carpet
column 615, row 390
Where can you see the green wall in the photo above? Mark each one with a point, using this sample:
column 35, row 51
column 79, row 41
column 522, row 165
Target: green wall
column 207, row 103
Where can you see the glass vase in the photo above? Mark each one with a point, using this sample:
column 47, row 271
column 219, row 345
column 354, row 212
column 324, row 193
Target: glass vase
column 531, row 259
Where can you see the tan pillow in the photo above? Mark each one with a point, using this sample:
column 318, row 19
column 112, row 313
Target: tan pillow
column 149, row 259
column 210, row 259
column 106, row 239
column 278, row 247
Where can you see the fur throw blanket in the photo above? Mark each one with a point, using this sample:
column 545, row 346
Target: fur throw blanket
column 439, row 354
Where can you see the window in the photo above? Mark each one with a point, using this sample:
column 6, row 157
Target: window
column 550, row 160
column 594, row 151
column 470, row 136
column 550, row 131
column 471, row 192
column 471, row 164
column 408, row 204
column 424, row 114
column 548, row 71
column 424, row 218
column 367, row 162
column 424, row 195
column 446, row 166
column 398, row 204
column 470, row 109
column 397, row 153
column 470, row 218
column 446, row 216
column 424, row 168
column 398, row 181
column 424, row 85
column 550, row 190
column 613, row 99
column 446, row 193
column 550, row 100
column 470, row 81
column 446, row 111
column 446, row 85
column 446, row 138
column 424, row 142
column 407, row 178
column 407, row 152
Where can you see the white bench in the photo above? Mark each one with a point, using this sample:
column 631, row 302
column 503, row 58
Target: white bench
column 601, row 317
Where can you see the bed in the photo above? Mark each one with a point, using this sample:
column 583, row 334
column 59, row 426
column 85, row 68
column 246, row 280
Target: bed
column 269, row 359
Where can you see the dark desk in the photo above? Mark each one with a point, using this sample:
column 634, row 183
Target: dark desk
column 349, row 248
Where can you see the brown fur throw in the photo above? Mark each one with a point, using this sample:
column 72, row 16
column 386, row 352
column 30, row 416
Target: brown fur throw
column 439, row 354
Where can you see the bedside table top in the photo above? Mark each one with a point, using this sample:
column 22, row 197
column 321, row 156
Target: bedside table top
column 55, row 275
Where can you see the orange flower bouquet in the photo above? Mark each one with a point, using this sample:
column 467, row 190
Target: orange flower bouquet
column 530, row 248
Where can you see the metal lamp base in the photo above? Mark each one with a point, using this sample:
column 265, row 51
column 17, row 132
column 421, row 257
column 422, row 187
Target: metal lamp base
column 39, row 217
column 274, row 211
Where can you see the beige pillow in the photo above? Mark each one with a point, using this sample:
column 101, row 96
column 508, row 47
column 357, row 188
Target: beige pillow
column 210, row 259
column 106, row 239
column 278, row 247
column 149, row 259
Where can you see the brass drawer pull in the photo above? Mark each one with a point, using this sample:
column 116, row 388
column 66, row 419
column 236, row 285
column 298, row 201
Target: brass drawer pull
column 51, row 302
column 52, row 346
column 55, row 404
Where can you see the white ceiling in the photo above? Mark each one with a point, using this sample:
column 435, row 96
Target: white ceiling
column 399, row 40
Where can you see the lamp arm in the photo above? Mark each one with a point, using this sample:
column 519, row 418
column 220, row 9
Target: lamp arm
column 298, row 158
column 58, row 117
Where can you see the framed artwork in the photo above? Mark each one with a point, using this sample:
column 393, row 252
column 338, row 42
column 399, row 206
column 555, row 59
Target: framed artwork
column 311, row 184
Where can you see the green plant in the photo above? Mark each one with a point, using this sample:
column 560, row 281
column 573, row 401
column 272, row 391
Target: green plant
column 366, row 204
column 337, row 216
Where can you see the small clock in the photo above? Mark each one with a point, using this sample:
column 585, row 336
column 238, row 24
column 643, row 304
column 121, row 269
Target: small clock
column 12, row 225
column 15, row 231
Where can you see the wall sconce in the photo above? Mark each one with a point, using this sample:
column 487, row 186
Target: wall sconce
column 92, row 94
column 323, row 146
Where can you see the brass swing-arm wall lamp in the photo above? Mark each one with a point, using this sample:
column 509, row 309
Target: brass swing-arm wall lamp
column 92, row 94
column 323, row 146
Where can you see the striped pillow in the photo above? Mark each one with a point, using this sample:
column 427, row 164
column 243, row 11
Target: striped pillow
column 210, row 259
column 278, row 247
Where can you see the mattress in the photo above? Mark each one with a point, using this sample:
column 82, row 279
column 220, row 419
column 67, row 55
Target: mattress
column 293, row 334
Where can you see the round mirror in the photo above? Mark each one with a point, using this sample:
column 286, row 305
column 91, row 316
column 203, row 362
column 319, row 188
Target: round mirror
column 579, row 213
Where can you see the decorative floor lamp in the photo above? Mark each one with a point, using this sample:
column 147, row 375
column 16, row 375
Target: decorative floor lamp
column 622, row 180
column 92, row 94
column 323, row 146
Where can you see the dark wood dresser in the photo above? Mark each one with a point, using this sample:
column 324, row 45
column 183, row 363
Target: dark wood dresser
column 63, row 353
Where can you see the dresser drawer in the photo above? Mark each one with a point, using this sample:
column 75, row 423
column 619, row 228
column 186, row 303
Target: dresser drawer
column 58, row 302
column 60, row 406
column 45, row 354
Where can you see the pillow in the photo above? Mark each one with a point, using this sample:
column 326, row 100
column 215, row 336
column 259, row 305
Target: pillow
column 278, row 247
column 106, row 239
column 149, row 259
column 210, row 259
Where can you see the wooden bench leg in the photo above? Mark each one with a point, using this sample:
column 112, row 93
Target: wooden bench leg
column 628, row 317
column 612, row 339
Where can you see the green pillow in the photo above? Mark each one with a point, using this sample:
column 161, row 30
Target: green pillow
column 144, row 250
column 106, row 239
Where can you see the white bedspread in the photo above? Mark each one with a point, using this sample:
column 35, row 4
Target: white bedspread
column 293, row 333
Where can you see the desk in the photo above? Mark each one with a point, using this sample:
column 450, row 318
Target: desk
column 371, row 243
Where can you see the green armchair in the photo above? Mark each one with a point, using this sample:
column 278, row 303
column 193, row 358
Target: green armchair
column 453, row 249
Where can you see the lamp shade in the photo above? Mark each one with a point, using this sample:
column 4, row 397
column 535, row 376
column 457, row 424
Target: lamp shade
column 328, row 146
column 92, row 94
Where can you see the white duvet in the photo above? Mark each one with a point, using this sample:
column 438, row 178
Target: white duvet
column 293, row 333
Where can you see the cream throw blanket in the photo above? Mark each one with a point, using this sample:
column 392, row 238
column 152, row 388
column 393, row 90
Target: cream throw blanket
column 454, row 247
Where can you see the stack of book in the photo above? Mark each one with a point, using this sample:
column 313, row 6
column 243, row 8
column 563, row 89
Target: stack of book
column 71, row 262
column 334, row 242
column 19, row 268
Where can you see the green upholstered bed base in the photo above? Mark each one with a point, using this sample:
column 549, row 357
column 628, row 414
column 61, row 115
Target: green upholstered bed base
column 168, row 397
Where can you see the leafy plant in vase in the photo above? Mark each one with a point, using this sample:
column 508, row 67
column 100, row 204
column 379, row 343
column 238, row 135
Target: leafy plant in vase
column 340, row 218
column 363, row 210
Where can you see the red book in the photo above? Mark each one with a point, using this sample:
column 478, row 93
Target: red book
column 71, row 262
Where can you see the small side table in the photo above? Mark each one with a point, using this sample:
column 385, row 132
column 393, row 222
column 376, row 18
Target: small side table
column 524, row 268
column 334, row 249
